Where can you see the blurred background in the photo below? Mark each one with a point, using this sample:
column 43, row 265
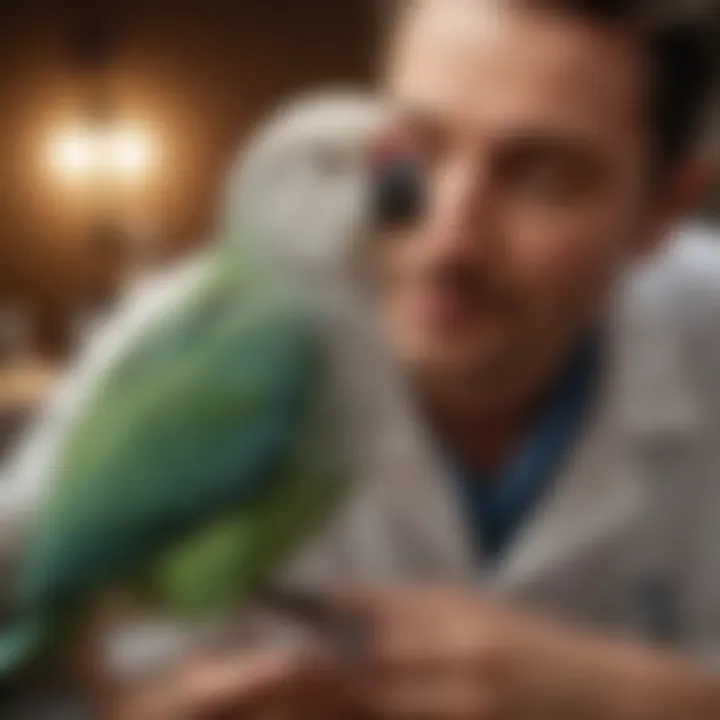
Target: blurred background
column 118, row 120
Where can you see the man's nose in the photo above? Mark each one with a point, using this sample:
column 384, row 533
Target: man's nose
column 461, row 214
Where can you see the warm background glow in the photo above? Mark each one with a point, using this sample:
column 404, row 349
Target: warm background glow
column 84, row 154
column 183, row 82
column 72, row 154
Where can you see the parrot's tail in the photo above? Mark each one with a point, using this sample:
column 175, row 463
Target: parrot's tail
column 19, row 646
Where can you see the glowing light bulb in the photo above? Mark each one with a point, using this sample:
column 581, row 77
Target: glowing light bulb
column 74, row 154
column 128, row 154
column 103, row 154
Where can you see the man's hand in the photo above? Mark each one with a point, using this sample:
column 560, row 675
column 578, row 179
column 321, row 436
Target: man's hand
column 446, row 654
column 260, row 685
column 435, row 653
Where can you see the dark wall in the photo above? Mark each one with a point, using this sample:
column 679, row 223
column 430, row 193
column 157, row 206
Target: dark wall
column 199, row 73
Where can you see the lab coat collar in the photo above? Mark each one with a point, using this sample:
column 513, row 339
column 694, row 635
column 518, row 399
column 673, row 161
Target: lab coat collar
column 594, row 507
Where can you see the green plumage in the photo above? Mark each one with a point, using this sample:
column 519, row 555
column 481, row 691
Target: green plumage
column 197, row 461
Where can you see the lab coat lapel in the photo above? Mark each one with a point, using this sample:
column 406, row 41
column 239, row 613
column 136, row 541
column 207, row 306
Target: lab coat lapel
column 588, row 518
column 603, row 515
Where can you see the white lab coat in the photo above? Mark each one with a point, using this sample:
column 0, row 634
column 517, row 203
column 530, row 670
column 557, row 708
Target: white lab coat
column 627, row 539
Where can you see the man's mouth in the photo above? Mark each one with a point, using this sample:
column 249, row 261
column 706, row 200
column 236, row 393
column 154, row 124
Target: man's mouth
column 449, row 310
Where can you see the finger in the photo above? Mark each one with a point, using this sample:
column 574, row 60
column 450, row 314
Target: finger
column 420, row 626
column 322, row 690
column 419, row 645
column 208, row 687
column 375, row 602
column 451, row 698
column 422, row 646
column 242, row 679
column 211, row 687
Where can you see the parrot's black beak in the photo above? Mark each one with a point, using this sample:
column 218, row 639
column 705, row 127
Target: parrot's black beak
column 398, row 193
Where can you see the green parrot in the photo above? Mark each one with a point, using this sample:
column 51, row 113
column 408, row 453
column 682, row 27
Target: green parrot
column 207, row 446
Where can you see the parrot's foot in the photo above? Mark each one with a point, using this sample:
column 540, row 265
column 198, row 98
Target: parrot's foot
column 346, row 634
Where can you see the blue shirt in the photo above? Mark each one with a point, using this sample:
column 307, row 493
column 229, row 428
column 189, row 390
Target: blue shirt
column 495, row 504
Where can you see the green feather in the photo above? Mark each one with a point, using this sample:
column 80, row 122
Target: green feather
column 221, row 566
column 206, row 416
column 24, row 640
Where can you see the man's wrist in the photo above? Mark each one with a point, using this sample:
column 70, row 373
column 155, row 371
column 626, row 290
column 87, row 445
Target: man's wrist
column 654, row 684
column 618, row 679
column 545, row 669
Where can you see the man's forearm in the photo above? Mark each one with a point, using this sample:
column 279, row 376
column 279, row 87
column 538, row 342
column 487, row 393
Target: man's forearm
column 604, row 679
column 657, row 686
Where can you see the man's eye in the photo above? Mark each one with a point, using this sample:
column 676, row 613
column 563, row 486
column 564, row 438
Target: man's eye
column 548, row 182
column 399, row 192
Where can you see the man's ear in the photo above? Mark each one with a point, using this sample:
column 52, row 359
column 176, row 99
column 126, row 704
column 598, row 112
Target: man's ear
column 692, row 185
column 681, row 197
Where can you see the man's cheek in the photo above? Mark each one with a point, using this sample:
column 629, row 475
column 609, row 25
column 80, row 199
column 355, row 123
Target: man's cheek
column 571, row 257
column 575, row 290
column 564, row 286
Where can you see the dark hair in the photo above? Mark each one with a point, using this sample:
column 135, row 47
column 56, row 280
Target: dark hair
column 679, row 44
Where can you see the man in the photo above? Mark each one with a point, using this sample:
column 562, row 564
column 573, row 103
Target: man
column 571, row 381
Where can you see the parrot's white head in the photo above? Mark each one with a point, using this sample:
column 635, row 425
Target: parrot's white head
column 324, row 173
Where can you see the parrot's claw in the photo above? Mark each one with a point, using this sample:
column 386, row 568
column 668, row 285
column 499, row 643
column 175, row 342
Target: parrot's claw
column 346, row 634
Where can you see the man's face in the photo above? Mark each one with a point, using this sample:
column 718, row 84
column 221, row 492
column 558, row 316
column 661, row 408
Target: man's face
column 532, row 129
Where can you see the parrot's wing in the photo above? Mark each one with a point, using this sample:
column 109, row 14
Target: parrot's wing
column 194, row 420
column 30, row 464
